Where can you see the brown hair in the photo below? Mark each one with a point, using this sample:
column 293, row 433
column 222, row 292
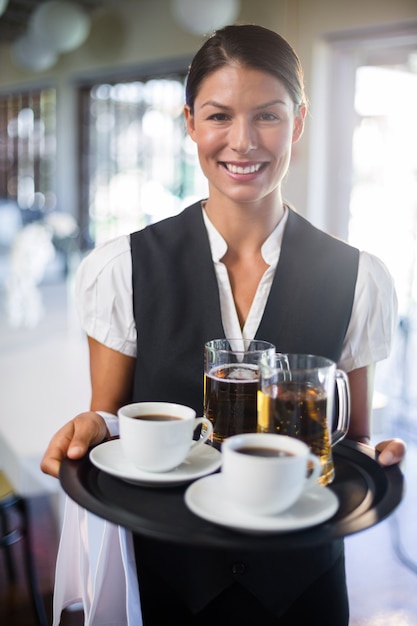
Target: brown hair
column 251, row 46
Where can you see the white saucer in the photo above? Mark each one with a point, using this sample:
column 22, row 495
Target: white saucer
column 207, row 499
column 109, row 457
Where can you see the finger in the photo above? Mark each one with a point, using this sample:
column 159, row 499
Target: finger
column 73, row 440
column 57, row 451
column 50, row 465
column 89, row 429
column 392, row 451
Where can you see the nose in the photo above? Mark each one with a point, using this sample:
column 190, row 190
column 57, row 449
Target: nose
column 243, row 136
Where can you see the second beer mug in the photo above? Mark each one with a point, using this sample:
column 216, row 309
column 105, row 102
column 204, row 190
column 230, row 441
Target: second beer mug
column 231, row 385
column 297, row 398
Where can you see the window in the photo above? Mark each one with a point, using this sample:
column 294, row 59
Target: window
column 138, row 164
column 27, row 151
column 383, row 199
column 370, row 166
column 365, row 150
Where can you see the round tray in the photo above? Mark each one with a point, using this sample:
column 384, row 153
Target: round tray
column 367, row 494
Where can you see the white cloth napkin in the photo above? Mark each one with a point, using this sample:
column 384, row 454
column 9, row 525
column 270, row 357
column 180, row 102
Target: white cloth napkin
column 96, row 567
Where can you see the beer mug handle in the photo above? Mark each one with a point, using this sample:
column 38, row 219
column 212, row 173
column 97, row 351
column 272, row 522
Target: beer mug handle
column 343, row 417
column 283, row 365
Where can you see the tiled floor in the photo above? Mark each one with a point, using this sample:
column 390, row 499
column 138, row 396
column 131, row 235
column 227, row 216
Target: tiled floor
column 381, row 562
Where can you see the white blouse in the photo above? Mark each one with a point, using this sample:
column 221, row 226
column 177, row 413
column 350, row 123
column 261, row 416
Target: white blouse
column 105, row 304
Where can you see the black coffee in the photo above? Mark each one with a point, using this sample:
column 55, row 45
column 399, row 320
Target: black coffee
column 156, row 417
column 264, row 452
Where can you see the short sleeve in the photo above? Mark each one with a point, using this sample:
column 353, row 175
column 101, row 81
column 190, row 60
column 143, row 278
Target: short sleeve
column 374, row 316
column 103, row 290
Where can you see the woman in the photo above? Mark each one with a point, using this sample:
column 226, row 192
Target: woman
column 240, row 262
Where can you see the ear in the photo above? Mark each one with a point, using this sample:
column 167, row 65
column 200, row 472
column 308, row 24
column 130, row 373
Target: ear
column 299, row 124
column 189, row 121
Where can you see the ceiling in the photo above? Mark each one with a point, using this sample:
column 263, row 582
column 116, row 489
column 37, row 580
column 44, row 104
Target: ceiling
column 14, row 21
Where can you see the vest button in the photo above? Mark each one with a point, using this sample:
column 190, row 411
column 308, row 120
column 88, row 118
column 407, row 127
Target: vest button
column 238, row 568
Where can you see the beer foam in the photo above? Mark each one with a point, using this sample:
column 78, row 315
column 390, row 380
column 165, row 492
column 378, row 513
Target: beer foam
column 240, row 373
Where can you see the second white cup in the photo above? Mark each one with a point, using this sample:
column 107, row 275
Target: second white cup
column 265, row 474
column 158, row 436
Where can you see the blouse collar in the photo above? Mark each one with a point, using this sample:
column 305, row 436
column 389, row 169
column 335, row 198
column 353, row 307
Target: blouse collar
column 271, row 247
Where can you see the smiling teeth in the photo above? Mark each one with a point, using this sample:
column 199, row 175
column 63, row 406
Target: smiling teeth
column 238, row 169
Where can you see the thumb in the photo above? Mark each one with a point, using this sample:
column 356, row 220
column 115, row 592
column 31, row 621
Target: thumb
column 89, row 430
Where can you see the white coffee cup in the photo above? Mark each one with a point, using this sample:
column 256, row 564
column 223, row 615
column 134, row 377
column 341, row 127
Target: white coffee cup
column 158, row 436
column 265, row 474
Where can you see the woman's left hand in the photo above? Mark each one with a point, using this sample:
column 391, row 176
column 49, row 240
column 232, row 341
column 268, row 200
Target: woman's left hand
column 391, row 451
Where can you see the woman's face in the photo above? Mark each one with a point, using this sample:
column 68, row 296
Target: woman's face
column 244, row 126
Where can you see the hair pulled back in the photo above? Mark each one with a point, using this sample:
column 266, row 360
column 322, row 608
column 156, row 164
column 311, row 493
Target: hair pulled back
column 251, row 46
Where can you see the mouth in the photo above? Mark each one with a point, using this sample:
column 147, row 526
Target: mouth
column 251, row 168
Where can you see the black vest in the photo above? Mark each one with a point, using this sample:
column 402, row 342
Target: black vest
column 177, row 309
column 177, row 306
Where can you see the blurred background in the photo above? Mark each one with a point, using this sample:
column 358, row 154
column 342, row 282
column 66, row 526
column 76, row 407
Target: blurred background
column 93, row 145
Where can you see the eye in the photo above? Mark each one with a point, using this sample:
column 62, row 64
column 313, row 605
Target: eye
column 218, row 117
column 268, row 117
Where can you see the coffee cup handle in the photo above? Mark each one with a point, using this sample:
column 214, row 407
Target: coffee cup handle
column 343, row 416
column 315, row 472
column 205, row 434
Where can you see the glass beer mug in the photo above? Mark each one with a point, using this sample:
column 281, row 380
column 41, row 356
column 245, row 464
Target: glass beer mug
column 296, row 397
column 231, row 385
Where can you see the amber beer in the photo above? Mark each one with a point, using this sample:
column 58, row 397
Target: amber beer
column 230, row 400
column 296, row 398
column 298, row 411
column 231, row 375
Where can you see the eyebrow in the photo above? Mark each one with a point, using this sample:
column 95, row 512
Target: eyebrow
column 265, row 105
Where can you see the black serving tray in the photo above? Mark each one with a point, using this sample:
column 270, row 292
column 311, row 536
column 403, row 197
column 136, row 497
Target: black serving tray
column 367, row 494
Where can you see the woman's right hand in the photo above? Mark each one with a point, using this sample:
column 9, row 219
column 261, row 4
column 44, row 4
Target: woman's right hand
column 73, row 440
column 111, row 386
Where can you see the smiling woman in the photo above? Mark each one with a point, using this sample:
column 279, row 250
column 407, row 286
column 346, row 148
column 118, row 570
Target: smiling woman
column 244, row 124
column 240, row 263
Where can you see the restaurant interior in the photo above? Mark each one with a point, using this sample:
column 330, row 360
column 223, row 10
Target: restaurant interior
column 92, row 145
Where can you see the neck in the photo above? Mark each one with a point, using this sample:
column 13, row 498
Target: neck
column 248, row 224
